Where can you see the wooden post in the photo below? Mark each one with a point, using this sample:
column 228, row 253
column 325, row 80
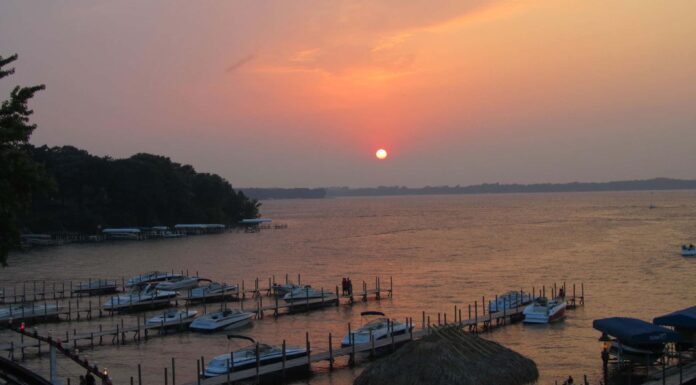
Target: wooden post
column 198, row 372
column 351, row 340
column 173, row 372
column 140, row 375
column 309, row 350
column 284, row 348
column 258, row 364
column 165, row 376
column 331, row 359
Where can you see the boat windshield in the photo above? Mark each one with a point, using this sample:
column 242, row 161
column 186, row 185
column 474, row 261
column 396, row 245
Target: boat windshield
column 376, row 324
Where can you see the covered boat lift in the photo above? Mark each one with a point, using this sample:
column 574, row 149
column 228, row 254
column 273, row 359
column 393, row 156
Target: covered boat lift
column 684, row 322
column 635, row 340
column 252, row 225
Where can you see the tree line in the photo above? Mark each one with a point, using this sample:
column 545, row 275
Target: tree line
column 94, row 192
column 64, row 189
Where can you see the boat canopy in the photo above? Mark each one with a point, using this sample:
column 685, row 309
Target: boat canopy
column 121, row 231
column 632, row 331
column 255, row 221
column 200, row 226
column 371, row 313
column 685, row 318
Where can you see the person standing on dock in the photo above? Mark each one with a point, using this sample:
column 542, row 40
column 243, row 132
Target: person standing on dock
column 569, row 381
column 349, row 285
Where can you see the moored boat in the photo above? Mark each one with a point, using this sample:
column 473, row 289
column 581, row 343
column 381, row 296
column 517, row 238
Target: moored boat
column 308, row 293
column 688, row 250
column 543, row 311
column 179, row 283
column 221, row 320
column 152, row 276
column 29, row 310
column 212, row 291
column 173, row 317
column 140, row 296
column 245, row 358
column 282, row 289
column 378, row 328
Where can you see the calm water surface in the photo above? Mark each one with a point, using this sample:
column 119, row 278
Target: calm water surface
column 442, row 251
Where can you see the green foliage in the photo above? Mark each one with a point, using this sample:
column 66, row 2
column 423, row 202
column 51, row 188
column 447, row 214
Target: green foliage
column 143, row 190
column 19, row 175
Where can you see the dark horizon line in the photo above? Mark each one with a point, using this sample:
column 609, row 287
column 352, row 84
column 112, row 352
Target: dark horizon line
column 655, row 179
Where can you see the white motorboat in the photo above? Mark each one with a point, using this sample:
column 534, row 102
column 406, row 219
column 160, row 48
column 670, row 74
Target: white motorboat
column 688, row 251
column 212, row 291
column 173, row 317
column 221, row 320
column 543, row 311
column 145, row 295
column 378, row 329
column 153, row 276
column 245, row 358
column 29, row 310
column 282, row 289
column 95, row 287
column 307, row 293
column 179, row 283
column 510, row 300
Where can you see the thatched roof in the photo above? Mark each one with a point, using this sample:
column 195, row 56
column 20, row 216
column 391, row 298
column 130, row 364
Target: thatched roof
column 451, row 356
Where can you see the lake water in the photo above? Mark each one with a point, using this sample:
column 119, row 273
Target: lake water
column 441, row 251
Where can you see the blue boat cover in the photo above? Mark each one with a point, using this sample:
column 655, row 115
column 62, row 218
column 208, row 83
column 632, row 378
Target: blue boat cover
column 631, row 331
column 685, row 318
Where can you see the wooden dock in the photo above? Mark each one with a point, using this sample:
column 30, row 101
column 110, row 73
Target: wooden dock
column 485, row 322
column 78, row 309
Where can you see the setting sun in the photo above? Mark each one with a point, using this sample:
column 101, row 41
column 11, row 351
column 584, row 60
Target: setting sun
column 381, row 154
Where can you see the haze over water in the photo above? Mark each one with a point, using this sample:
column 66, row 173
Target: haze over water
column 441, row 251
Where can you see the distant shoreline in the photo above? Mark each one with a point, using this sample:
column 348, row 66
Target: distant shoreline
column 656, row 184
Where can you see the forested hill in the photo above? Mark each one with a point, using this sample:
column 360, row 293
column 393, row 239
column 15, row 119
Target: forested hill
column 144, row 190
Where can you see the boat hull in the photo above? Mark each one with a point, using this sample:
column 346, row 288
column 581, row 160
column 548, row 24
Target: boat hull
column 553, row 314
column 206, row 326
column 252, row 363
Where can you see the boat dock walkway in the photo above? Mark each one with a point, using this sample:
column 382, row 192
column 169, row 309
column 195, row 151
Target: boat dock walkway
column 483, row 322
column 123, row 333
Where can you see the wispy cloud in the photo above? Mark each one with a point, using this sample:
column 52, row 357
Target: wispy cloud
column 239, row 63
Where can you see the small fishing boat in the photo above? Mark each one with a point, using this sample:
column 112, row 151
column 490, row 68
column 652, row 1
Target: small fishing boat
column 307, row 293
column 543, row 311
column 96, row 287
column 221, row 320
column 152, row 276
column 179, row 283
column 246, row 357
column 173, row 317
column 213, row 290
column 378, row 329
column 140, row 296
column 688, row 250
column 510, row 300
column 29, row 310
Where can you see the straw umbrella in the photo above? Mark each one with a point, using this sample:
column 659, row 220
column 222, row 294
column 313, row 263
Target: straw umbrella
column 451, row 356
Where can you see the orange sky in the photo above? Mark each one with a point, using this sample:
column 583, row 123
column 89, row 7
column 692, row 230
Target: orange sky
column 302, row 93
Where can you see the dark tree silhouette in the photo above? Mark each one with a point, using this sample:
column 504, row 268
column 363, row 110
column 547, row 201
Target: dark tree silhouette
column 20, row 177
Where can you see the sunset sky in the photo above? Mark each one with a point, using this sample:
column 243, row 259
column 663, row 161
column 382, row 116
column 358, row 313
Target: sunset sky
column 302, row 93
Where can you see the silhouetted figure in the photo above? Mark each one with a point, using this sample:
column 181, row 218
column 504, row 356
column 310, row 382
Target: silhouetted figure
column 561, row 293
column 82, row 380
column 349, row 283
column 89, row 379
column 569, row 381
